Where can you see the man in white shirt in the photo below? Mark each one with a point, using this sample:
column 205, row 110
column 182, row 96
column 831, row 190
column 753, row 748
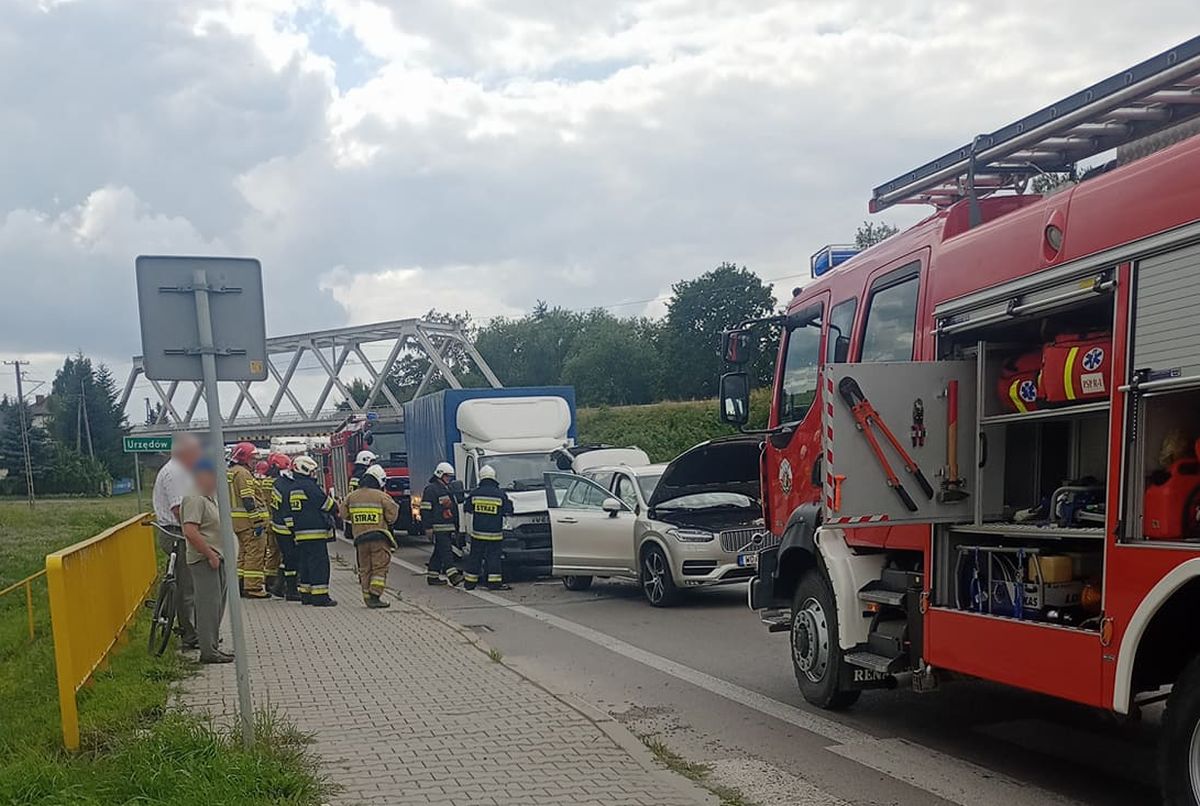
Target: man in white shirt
column 172, row 484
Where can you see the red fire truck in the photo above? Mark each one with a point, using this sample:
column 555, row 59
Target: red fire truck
column 384, row 437
column 982, row 452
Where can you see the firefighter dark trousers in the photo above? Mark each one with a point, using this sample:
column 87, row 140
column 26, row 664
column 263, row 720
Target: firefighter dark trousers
column 288, row 563
column 374, row 557
column 313, row 560
column 484, row 558
column 442, row 560
column 252, row 550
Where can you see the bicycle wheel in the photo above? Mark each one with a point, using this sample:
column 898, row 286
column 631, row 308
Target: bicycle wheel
column 163, row 619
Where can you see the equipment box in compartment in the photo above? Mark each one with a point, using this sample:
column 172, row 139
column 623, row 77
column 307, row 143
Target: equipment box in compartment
column 1163, row 475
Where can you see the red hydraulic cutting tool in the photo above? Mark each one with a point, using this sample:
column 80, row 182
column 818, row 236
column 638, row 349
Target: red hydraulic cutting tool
column 866, row 419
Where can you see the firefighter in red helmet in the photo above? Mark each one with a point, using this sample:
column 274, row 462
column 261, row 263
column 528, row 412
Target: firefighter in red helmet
column 249, row 521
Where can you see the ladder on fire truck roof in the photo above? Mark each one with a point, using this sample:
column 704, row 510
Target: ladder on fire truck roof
column 1157, row 94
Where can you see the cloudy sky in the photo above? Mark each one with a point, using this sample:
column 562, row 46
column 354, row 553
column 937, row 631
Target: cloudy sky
column 382, row 157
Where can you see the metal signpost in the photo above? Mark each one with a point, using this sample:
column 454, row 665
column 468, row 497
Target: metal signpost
column 137, row 445
column 202, row 320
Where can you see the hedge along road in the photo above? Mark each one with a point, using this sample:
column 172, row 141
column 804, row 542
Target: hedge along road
column 709, row 680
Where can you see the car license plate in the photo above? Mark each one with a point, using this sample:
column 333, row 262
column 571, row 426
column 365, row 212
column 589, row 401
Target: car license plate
column 748, row 560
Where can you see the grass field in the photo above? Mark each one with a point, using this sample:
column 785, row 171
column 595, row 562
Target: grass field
column 135, row 749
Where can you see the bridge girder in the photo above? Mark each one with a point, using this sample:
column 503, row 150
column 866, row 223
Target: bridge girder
column 331, row 349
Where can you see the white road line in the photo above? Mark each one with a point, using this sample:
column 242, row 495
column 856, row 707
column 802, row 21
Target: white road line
column 947, row 777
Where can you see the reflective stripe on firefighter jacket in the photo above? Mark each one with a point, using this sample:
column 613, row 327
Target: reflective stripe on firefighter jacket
column 488, row 505
column 439, row 510
column 369, row 514
column 310, row 509
column 281, row 510
column 356, row 477
column 243, row 490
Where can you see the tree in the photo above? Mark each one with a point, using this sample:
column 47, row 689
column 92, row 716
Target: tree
column 360, row 390
column 84, row 408
column 12, row 450
column 870, row 233
column 614, row 361
column 530, row 351
column 697, row 312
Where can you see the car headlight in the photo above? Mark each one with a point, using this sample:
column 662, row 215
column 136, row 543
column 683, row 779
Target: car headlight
column 690, row 535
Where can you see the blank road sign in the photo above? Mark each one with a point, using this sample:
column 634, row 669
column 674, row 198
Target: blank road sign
column 167, row 309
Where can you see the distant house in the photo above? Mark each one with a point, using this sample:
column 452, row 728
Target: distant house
column 39, row 412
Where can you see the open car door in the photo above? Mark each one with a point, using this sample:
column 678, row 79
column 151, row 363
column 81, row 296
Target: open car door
column 900, row 442
column 587, row 538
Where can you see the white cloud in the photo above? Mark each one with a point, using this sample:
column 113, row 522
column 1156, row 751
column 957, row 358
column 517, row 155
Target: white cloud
column 384, row 157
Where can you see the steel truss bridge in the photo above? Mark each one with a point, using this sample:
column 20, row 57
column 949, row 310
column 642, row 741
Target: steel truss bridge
column 267, row 415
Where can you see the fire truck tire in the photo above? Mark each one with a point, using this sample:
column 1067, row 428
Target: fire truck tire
column 816, row 655
column 1179, row 742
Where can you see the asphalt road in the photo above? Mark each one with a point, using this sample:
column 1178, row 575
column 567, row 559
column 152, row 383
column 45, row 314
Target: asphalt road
column 708, row 681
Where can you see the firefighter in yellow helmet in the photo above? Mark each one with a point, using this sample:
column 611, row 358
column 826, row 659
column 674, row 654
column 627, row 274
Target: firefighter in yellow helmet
column 369, row 514
column 249, row 522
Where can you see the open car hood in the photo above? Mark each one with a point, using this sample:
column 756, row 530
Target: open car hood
column 720, row 465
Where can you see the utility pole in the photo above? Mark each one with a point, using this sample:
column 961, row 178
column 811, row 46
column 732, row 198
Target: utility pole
column 16, row 365
column 86, row 422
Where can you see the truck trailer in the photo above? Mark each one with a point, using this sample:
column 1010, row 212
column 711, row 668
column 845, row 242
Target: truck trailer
column 522, row 432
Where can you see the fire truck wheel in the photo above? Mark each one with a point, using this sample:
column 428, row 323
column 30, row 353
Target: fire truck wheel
column 816, row 655
column 1179, row 742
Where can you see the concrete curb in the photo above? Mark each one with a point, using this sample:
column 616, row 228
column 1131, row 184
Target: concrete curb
column 621, row 736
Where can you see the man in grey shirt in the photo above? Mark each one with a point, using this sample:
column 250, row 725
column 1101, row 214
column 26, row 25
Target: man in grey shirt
column 202, row 526
column 172, row 484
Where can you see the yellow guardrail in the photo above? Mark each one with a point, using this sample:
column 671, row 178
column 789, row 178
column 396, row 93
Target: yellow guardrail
column 26, row 583
column 96, row 587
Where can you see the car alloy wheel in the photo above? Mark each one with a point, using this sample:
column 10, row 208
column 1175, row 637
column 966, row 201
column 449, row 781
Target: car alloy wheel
column 810, row 640
column 653, row 576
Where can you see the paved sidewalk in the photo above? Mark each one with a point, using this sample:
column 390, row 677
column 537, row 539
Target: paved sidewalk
column 442, row 723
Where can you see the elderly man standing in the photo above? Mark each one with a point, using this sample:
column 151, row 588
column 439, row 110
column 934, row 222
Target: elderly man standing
column 171, row 486
column 202, row 527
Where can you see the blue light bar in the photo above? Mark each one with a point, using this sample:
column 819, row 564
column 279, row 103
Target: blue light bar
column 831, row 256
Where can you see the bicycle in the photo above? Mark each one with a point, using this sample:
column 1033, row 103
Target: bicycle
column 163, row 620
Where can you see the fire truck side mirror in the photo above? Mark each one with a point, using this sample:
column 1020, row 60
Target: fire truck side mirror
column 735, row 398
column 735, row 346
column 368, row 438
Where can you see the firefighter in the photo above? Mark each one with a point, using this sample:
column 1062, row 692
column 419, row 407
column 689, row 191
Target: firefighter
column 369, row 514
column 311, row 510
column 487, row 504
column 361, row 462
column 264, row 484
column 279, row 473
column 249, row 522
column 439, row 512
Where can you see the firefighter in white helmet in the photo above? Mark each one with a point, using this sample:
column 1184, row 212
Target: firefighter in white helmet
column 439, row 513
column 369, row 514
column 488, row 505
column 311, row 509
column 364, row 460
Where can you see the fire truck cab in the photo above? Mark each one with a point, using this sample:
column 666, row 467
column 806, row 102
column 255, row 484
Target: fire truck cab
column 982, row 457
column 384, row 437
